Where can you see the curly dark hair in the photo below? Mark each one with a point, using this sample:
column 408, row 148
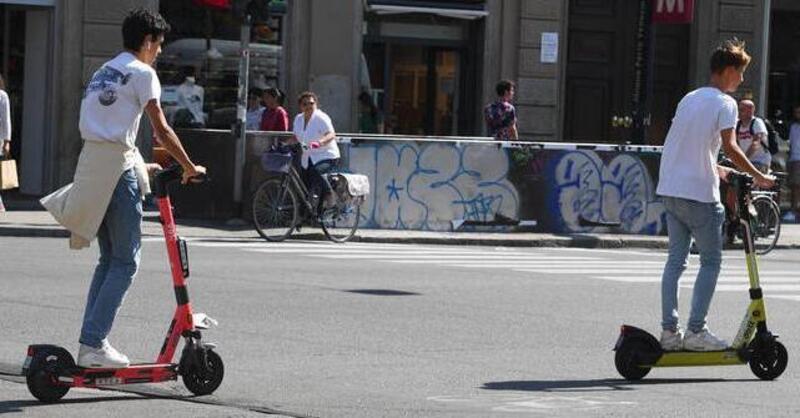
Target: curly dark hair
column 139, row 23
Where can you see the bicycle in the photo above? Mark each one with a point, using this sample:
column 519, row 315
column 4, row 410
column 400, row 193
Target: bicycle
column 765, row 219
column 282, row 205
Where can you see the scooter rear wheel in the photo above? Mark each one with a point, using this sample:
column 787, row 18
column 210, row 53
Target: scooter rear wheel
column 769, row 362
column 627, row 359
column 204, row 382
column 43, row 372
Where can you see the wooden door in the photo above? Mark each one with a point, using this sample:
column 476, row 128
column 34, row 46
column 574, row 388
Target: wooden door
column 600, row 72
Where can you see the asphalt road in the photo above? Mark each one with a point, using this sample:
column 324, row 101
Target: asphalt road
column 381, row 330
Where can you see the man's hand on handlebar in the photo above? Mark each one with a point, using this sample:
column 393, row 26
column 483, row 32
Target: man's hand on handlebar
column 765, row 181
column 191, row 172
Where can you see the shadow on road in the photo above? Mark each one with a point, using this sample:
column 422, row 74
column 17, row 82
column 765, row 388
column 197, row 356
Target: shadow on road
column 592, row 385
column 381, row 292
column 21, row 405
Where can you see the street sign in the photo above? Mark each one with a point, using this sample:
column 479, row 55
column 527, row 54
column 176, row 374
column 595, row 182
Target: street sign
column 673, row 11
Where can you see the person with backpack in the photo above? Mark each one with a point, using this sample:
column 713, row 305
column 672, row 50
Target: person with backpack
column 752, row 136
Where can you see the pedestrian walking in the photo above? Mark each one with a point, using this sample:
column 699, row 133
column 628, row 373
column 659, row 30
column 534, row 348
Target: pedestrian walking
column 5, row 128
column 105, row 198
column 689, row 187
column 275, row 117
column 500, row 115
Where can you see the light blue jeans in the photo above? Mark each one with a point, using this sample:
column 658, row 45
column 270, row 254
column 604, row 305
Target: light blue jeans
column 687, row 219
column 120, row 241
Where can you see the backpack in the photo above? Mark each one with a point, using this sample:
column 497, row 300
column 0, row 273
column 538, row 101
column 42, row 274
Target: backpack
column 772, row 135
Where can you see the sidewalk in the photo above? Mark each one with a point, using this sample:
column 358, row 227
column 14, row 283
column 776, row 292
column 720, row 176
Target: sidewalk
column 38, row 223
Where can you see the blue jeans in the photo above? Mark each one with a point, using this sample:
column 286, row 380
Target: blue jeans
column 315, row 179
column 687, row 219
column 120, row 240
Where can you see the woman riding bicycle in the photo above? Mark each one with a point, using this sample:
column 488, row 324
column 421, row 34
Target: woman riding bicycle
column 313, row 128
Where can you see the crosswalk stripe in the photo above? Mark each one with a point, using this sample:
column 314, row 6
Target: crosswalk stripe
column 795, row 298
column 767, row 289
column 312, row 251
column 626, row 271
column 323, row 244
column 434, row 257
column 548, row 263
column 685, row 280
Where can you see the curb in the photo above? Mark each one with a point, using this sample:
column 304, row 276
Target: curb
column 566, row 241
column 557, row 241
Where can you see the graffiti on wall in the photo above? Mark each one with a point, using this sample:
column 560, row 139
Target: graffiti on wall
column 620, row 191
column 425, row 186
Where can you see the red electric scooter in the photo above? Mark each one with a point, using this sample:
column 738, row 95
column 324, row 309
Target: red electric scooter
column 51, row 370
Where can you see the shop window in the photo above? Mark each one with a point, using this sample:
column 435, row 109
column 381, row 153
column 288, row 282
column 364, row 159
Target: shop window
column 199, row 65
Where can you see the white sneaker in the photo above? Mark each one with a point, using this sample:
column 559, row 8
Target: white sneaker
column 114, row 351
column 105, row 357
column 703, row 341
column 672, row 340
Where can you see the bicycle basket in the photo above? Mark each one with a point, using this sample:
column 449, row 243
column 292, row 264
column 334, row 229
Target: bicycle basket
column 276, row 160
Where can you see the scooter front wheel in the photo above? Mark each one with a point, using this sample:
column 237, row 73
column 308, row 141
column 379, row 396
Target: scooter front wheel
column 43, row 372
column 769, row 362
column 627, row 358
column 204, row 379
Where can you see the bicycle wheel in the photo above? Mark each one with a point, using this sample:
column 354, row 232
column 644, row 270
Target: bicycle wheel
column 340, row 222
column 766, row 224
column 274, row 210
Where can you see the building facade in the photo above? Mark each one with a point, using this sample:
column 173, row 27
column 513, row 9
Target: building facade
column 429, row 66
column 433, row 64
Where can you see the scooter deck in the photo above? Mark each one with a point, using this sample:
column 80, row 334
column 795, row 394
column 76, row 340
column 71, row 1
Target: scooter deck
column 729, row 357
column 135, row 373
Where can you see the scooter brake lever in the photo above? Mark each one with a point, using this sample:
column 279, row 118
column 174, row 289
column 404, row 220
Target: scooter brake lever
column 203, row 321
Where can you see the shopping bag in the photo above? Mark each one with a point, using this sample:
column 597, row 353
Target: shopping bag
column 8, row 175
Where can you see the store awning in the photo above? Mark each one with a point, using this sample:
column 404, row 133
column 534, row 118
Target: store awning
column 454, row 9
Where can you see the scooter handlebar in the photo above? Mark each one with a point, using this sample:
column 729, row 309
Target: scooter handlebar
column 174, row 173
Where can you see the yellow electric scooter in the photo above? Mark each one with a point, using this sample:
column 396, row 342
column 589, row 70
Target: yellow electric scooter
column 637, row 351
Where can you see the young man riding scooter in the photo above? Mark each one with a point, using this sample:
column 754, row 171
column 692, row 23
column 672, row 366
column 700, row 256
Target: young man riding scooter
column 105, row 198
column 689, row 187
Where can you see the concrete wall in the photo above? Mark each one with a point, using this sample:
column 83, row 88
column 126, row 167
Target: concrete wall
column 424, row 184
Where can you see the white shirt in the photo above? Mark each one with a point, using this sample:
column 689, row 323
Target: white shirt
column 794, row 142
column 115, row 98
column 253, row 119
column 689, row 159
column 5, row 117
column 190, row 97
column 318, row 125
column 745, row 140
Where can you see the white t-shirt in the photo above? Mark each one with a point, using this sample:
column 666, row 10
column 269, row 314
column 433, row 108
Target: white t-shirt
column 5, row 117
column 794, row 142
column 319, row 124
column 689, row 159
column 745, row 140
column 115, row 98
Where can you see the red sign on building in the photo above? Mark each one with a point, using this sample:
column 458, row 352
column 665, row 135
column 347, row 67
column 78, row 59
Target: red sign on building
column 214, row 4
column 673, row 11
